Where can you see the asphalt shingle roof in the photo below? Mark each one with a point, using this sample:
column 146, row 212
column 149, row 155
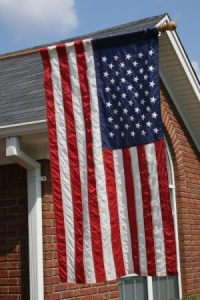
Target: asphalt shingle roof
column 22, row 96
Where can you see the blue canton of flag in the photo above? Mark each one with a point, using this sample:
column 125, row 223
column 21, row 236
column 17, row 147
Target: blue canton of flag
column 128, row 89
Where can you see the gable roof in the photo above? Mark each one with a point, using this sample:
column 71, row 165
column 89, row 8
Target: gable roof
column 22, row 96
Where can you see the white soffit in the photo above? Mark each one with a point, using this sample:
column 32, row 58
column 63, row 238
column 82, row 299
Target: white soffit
column 180, row 80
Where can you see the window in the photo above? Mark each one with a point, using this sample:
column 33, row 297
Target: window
column 155, row 288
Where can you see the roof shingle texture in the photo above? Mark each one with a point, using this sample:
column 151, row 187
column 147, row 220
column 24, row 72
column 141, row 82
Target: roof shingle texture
column 22, row 95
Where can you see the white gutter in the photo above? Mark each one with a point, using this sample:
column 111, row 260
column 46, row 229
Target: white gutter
column 23, row 128
column 34, row 215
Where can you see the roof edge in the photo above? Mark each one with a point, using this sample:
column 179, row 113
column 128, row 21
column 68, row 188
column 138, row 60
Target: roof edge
column 23, row 128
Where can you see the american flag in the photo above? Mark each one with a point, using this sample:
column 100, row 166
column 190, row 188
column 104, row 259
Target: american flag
column 108, row 164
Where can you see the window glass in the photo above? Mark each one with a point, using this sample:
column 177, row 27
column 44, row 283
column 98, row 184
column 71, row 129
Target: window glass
column 133, row 288
column 165, row 288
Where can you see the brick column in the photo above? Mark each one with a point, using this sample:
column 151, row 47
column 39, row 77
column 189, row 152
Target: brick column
column 14, row 266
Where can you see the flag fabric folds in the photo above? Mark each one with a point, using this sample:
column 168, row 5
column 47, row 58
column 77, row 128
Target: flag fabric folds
column 108, row 165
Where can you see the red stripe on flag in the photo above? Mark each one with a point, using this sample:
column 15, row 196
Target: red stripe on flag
column 131, row 209
column 146, row 197
column 55, row 169
column 92, row 192
column 167, row 219
column 73, row 162
column 114, row 215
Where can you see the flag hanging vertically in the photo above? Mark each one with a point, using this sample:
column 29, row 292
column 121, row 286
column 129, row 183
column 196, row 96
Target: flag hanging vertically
column 108, row 164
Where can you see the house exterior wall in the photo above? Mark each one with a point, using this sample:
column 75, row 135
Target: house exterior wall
column 14, row 231
column 186, row 161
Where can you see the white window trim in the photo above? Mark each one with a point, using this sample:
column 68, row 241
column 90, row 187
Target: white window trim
column 173, row 187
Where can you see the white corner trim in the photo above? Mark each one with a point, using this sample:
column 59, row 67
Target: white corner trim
column 36, row 281
column 23, row 128
column 176, row 103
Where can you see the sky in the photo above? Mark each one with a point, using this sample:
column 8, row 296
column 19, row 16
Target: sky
column 28, row 23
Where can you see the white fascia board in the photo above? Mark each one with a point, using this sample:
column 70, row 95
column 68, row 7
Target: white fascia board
column 23, row 128
column 178, row 106
column 172, row 35
column 191, row 77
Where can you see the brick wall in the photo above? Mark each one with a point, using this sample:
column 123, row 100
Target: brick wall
column 14, row 275
column 186, row 161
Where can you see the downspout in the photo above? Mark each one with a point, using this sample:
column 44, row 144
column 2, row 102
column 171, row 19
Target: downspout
column 34, row 215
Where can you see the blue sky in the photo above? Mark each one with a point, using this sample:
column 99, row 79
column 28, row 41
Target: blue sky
column 24, row 24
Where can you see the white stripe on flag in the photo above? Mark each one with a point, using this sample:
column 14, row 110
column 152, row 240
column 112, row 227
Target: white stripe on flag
column 139, row 210
column 81, row 144
column 64, row 164
column 99, row 165
column 123, row 211
column 156, row 210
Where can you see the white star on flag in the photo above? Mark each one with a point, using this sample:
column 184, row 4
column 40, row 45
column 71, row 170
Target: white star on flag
column 149, row 124
column 135, row 63
column 151, row 52
column 112, row 81
column 155, row 130
column 130, row 102
column 153, row 99
column 154, row 115
column 137, row 110
column 140, row 55
column 151, row 68
column 108, row 104
column 133, row 133
column 152, row 83
column 128, row 56
column 116, row 57
column 143, row 132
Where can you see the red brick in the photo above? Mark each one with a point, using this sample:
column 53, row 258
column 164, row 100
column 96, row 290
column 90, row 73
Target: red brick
column 51, row 280
column 80, row 292
column 98, row 297
column 3, row 290
column 8, row 281
column 52, row 296
column 92, row 291
column 60, row 287
column 86, row 298
column 3, row 273
column 8, row 266
column 67, row 294
column 15, row 257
